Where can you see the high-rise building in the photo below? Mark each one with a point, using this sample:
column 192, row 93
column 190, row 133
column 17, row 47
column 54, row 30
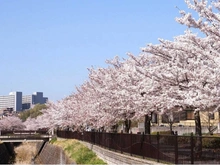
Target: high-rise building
column 36, row 98
column 13, row 100
column 17, row 102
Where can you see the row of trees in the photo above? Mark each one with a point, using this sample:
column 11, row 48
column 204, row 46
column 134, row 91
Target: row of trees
column 167, row 77
column 16, row 121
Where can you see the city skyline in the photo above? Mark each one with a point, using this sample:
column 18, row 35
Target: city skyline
column 19, row 102
column 48, row 46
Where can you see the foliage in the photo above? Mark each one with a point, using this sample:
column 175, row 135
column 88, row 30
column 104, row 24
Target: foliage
column 11, row 123
column 33, row 112
column 210, row 142
column 78, row 152
column 184, row 139
column 161, row 133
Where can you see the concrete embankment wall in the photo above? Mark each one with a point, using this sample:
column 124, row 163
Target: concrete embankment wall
column 51, row 154
column 6, row 151
column 111, row 157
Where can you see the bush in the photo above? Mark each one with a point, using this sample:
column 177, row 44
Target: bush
column 184, row 140
column 33, row 112
column 213, row 143
column 165, row 137
column 162, row 133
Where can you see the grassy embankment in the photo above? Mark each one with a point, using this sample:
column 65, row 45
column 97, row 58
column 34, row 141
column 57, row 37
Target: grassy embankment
column 77, row 152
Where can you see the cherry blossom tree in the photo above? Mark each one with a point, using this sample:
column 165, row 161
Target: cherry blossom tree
column 11, row 123
column 207, row 22
column 170, row 75
column 188, row 67
column 114, row 103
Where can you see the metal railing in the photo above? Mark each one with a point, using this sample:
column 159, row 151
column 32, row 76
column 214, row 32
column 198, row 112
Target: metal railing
column 162, row 148
column 23, row 135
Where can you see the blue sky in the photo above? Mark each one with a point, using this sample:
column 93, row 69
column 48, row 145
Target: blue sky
column 47, row 45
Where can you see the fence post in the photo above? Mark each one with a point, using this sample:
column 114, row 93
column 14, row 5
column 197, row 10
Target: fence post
column 99, row 141
column 103, row 138
column 121, row 141
column 82, row 135
column 176, row 148
column 93, row 136
column 105, row 142
column 192, row 148
column 158, row 147
column 131, row 143
column 142, row 145
column 110, row 140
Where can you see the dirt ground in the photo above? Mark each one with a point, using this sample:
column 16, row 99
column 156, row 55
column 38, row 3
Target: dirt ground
column 25, row 152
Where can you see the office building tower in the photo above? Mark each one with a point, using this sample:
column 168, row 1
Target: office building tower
column 17, row 102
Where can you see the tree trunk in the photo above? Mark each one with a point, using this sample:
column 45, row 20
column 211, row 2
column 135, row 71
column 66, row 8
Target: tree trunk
column 147, row 125
column 127, row 125
column 102, row 129
column 198, row 124
column 171, row 128
column 198, row 130
column 210, row 128
column 171, row 121
column 114, row 128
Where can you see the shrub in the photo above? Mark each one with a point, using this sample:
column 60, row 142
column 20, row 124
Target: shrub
column 33, row 112
column 162, row 133
column 213, row 143
column 184, row 140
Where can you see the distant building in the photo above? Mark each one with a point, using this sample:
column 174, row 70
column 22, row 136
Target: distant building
column 13, row 100
column 36, row 98
column 17, row 102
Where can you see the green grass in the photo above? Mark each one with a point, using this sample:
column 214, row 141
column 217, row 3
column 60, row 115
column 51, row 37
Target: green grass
column 78, row 152
column 54, row 139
